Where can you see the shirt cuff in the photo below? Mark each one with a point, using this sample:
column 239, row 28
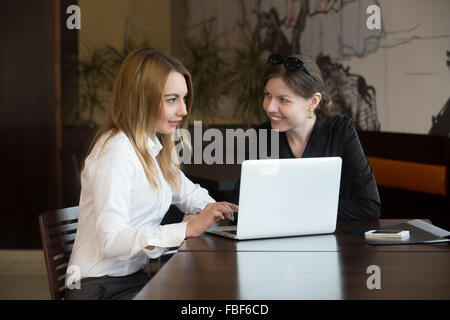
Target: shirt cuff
column 195, row 212
column 155, row 253
column 199, row 208
column 174, row 233
column 170, row 235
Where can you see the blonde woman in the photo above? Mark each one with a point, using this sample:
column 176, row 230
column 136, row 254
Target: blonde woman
column 130, row 179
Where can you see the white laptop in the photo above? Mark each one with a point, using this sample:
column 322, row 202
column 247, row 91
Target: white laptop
column 286, row 197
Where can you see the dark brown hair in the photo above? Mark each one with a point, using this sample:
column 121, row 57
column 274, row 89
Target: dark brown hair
column 302, row 83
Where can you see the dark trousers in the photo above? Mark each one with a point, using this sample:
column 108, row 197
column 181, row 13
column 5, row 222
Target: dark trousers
column 109, row 288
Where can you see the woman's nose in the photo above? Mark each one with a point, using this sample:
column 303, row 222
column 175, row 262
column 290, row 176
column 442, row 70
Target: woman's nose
column 182, row 109
column 270, row 106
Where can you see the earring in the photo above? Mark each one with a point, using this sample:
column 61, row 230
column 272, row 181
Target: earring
column 310, row 115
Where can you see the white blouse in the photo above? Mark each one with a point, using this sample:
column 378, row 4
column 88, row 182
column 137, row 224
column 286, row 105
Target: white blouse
column 120, row 212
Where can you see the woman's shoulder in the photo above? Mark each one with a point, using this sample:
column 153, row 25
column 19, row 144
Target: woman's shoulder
column 339, row 124
column 110, row 153
column 120, row 140
column 339, row 120
column 109, row 144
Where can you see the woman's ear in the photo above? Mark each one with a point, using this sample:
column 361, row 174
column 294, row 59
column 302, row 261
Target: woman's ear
column 315, row 100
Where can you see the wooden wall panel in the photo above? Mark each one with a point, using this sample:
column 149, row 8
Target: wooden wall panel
column 29, row 123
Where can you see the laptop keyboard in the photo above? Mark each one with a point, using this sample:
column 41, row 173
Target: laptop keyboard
column 230, row 231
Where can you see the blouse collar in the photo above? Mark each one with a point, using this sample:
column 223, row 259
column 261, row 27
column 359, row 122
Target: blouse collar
column 154, row 146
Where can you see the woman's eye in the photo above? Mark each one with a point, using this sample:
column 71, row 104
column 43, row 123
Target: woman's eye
column 284, row 100
column 172, row 100
column 266, row 94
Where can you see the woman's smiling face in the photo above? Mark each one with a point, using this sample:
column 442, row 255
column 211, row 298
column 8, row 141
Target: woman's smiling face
column 285, row 109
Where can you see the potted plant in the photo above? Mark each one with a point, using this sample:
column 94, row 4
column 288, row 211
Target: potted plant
column 208, row 70
column 246, row 77
column 94, row 81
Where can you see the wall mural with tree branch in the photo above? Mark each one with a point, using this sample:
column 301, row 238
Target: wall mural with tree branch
column 375, row 75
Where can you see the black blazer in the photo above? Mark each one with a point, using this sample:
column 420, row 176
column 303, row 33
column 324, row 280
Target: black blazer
column 335, row 136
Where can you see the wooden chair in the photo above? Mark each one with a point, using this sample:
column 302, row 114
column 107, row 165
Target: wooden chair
column 58, row 230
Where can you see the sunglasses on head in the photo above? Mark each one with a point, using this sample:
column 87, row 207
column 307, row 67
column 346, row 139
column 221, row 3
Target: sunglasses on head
column 291, row 63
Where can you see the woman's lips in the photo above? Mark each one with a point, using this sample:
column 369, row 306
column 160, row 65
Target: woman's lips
column 276, row 119
column 174, row 123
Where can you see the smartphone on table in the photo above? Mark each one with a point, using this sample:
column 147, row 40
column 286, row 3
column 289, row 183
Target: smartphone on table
column 386, row 234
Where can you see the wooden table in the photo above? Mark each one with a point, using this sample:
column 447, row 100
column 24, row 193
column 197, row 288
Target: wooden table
column 338, row 241
column 312, row 267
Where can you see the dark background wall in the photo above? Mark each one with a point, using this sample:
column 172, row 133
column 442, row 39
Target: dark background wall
column 30, row 107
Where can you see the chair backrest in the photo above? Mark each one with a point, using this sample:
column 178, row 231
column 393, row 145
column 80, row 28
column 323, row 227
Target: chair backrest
column 58, row 231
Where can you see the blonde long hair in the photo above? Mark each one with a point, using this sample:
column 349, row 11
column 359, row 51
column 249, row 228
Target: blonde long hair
column 137, row 102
